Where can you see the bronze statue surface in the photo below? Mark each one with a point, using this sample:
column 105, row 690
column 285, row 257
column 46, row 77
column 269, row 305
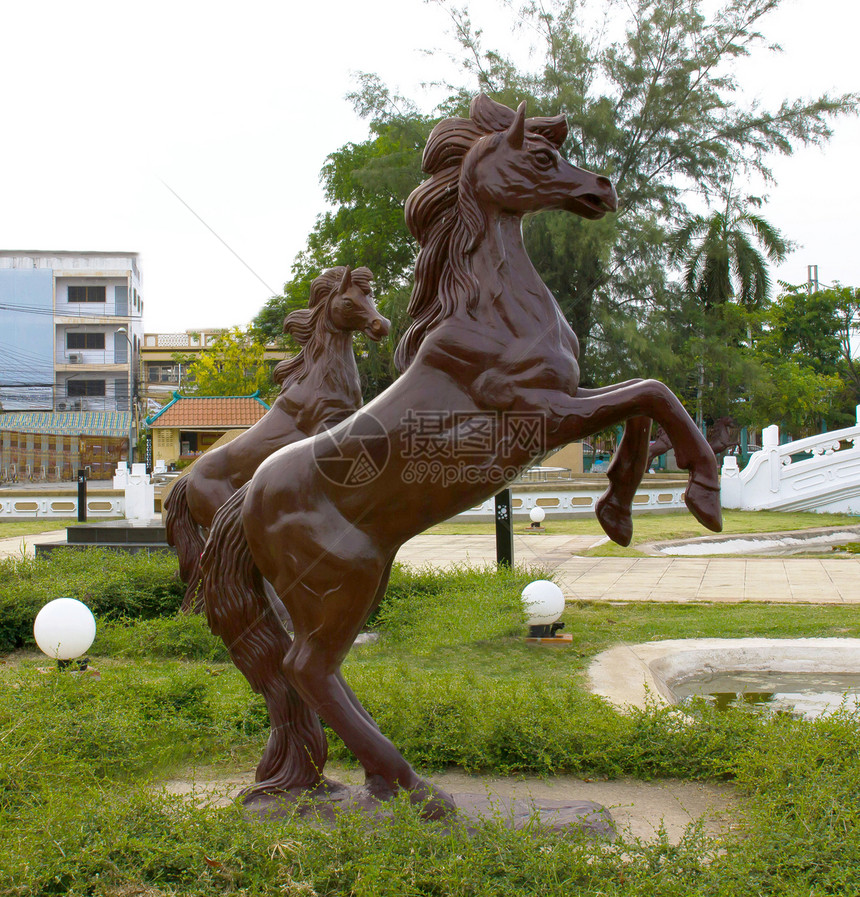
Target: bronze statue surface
column 319, row 387
column 490, row 382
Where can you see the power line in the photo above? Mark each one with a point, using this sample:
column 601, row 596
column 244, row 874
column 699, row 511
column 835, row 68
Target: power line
column 219, row 238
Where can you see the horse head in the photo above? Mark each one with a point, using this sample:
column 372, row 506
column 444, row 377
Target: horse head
column 350, row 307
column 340, row 302
column 496, row 162
column 518, row 166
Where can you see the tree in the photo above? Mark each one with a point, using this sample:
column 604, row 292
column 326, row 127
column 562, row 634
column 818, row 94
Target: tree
column 656, row 110
column 812, row 331
column 794, row 395
column 235, row 365
column 726, row 275
column 721, row 262
column 367, row 184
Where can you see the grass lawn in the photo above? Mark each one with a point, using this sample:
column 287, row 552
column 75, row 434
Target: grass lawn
column 646, row 527
column 12, row 528
column 453, row 684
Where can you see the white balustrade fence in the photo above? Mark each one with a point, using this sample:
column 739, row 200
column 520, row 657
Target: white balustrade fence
column 579, row 500
column 60, row 505
column 827, row 481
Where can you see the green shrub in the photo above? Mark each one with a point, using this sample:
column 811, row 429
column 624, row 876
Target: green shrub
column 451, row 683
column 427, row 608
column 138, row 719
column 113, row 585
column 183, row 636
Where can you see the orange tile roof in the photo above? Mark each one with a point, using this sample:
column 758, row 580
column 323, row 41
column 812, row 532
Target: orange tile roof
column 210, row 412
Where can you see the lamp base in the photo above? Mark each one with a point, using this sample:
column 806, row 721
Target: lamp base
column 548, row 634
column 552, row 641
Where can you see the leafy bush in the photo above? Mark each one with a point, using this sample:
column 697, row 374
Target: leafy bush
column 426, row 608
column 113, row 585
column 183, row 636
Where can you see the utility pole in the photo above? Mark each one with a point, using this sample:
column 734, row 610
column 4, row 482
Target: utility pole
column 811, row 279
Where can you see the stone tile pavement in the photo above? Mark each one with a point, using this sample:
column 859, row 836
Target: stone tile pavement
column 18, row 545
column 777, row 579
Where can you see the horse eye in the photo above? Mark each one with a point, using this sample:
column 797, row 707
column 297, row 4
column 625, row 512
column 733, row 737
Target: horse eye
column 347, row 303
column 544, row 158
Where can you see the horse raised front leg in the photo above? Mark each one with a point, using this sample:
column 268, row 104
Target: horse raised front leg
column 577, row 416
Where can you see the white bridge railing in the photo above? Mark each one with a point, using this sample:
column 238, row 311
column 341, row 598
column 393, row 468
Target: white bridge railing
column 578, row 500
column 775, row 479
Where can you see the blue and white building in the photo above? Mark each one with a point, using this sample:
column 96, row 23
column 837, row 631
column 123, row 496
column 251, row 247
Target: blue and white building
column 71, row 326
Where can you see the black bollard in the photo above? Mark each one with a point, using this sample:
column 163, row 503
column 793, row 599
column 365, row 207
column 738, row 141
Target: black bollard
column 82, row 495
column 504, row 530
column 149, row 461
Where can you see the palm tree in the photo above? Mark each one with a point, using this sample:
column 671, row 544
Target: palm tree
column 721, row 262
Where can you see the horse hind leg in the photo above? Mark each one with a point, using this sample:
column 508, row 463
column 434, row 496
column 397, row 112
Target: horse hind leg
column 238, row 610
column 387, row 772
column 614, row 509
column 313, row 667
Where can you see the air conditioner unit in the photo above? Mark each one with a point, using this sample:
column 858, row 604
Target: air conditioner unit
column 77, row 405
column 75, row 358
column 62, row 406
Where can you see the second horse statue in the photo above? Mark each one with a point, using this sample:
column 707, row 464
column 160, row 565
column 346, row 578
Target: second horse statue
column 319, row 388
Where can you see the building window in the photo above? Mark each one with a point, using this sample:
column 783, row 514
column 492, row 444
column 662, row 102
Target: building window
column 85, row 341
column 164, row 373
column 86, row 294
column 77, row 388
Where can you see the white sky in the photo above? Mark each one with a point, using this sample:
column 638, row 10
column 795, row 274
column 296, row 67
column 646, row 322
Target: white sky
column 236, row 107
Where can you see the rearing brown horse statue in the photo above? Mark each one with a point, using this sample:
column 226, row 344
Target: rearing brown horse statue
column 490, row 382
column 320, row 387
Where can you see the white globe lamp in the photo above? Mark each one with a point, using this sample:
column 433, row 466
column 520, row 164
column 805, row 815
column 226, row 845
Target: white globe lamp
column 536, row 515
column 543, row 602
column 64, row 629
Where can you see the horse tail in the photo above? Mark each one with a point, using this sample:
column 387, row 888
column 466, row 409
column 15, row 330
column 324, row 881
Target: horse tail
column 239, row 611
column 184, row 535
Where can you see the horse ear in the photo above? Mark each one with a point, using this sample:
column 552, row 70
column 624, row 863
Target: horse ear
column 490, row 115
column 516, row 133
column 554, row 129
column 346, row 283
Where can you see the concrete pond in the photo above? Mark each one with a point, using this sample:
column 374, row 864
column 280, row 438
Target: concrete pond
column 807, row 677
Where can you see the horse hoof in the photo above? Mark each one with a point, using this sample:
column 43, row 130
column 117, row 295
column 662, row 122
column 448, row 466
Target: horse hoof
column 703, row 502
column 615, row 520
column 434, row 802
column 378, row 787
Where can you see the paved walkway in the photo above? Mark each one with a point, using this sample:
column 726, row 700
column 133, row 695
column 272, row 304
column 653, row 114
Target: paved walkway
column 18, row 545
column 680, row 579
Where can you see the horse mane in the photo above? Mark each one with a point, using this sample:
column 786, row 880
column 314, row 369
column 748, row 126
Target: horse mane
column 310, row 327
column 447, row 221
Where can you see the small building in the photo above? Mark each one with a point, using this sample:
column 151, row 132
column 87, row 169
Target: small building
column 189, row 425
column 162, row 374
column 53, row 446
